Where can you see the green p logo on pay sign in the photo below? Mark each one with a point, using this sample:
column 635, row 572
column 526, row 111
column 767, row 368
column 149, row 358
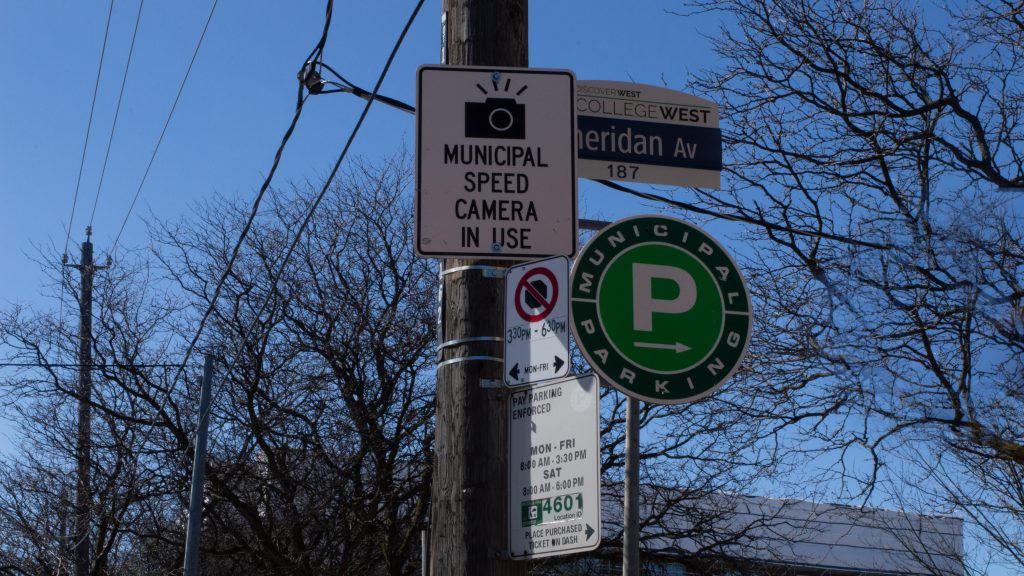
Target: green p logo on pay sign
column 659, row 309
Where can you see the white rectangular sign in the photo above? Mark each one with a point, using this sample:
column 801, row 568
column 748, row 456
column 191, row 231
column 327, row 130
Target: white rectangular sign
column 554, row 468
column 536, row 321
column 495, row 162
column 640, row 133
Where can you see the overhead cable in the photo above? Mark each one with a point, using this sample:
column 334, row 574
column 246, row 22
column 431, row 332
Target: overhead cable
column 300, row 101
column 337, row 165
column 353, row 89
column 117, row 112
column 81, row 163
column 163, row 131
column 323, row 191
column 88, row 127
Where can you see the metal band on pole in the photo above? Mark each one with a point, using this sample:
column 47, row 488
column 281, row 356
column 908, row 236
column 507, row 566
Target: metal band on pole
column 470, row 359
column 489, row 271
column 458, row 341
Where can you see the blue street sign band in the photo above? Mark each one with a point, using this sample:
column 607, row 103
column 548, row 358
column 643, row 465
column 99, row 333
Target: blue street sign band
column 618, row 140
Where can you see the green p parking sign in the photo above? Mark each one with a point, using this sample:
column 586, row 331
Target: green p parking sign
column 659, row 309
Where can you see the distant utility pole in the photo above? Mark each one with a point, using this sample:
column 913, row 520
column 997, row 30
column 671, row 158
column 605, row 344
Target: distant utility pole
column 469, row 503
column 195, row 507
column 83, row 448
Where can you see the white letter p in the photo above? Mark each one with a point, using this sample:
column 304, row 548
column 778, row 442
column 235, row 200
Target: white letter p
column 644, row 303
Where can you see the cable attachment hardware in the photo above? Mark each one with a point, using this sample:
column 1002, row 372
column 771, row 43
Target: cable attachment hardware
column 311, row 79
column 461, row 341
column 488, row 271
column 470, row 359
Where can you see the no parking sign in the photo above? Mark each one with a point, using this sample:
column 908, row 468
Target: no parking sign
column 536, row 321
column 536, row 294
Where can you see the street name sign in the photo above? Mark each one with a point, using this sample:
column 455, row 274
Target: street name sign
column 641, row 133
column 554, row 474
column 495, row 162
column 659, row 309
column 536, row 321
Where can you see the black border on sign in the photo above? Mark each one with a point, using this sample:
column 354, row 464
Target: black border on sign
column 574, row 205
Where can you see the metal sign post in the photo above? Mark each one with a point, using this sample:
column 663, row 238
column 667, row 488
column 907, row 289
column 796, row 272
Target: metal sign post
column 195, row 508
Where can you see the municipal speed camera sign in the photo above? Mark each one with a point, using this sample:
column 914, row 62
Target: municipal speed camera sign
column 659, row 309
column 495, row 162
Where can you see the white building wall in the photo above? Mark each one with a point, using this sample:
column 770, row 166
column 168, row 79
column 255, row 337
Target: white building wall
column 826, row 536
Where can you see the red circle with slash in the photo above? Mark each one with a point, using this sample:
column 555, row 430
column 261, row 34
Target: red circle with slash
column 526, row 288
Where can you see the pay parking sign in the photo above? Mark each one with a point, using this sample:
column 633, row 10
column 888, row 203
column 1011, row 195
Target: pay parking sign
column 660, row 309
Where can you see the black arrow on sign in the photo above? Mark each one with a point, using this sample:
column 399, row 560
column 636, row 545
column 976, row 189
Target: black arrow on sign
column 558, row 363
column 514, row 372
column 590, row 531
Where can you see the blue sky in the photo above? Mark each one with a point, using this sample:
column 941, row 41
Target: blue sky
column 238, row 101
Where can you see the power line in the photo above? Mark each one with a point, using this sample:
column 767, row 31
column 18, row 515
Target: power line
column 117, row 113
column 351, row 88
column 88, row 127
column 320, row 196
column 337, row 165
column 159, row 141
column 245, row 232
column 316, row 52
column 301, row 99
column 81, row 162
column 66, row 365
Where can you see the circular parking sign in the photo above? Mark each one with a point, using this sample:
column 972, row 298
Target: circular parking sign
column 660, row 309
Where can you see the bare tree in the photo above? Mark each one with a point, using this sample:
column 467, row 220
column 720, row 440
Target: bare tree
column 37, row 481
column 321, row 436
column 870, row 141
column 324, row 419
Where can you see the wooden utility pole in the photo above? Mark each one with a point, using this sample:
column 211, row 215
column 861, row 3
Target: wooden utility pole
column 83, row 447
column 469, row 515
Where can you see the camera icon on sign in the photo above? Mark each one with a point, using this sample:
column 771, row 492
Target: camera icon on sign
column 496, row 118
